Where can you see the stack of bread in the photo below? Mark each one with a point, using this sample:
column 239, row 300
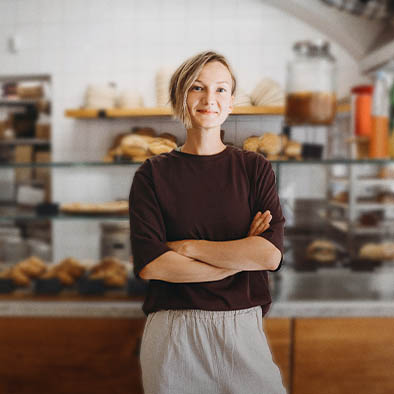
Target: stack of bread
column 274, row 146
column 111, row 270
column 67, row 271
column 129, row 99
column 268, row 93
column 242, row 99
column 100, row 96
column 109, row 207
column 22, row 272
column 140, row 144
column 162, row 84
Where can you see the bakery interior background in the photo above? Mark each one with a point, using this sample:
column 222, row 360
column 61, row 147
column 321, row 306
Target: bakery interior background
column 128, row 42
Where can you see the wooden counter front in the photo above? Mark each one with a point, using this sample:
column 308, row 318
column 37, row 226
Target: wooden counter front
column 70, row 355
column 343, row 356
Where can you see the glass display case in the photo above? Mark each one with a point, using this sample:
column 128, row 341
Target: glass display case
column 338, row 237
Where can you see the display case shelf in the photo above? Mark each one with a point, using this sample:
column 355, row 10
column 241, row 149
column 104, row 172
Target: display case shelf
column 376, row 181
column 365, row 181
column 24, row 141
column 363, row 206
column 34, row 217
column 357, row 229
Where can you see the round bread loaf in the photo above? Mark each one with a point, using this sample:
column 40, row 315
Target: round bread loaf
column 161, row 145
column 270, row 144
column 148, row 131
column 251, row 144
column 169, row 136
column 371, row 251
column 293, row 149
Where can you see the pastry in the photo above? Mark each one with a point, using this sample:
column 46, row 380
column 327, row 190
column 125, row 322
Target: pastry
column 19, row 277
column 342, row 196
column 270, row 144
column 251, row 144
column 146, row 131
column 161, row 145
column 5, row 274
column 293, row 149
column 32, row 267
column 169, row 136
column 322, row 251
column 370, row 218
column 111, row 270
column 386, row 197
column 388, row 250
column 371, row 251
column 67, row 271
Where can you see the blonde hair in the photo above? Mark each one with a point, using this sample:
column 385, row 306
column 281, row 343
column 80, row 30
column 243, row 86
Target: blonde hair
column 184, row 77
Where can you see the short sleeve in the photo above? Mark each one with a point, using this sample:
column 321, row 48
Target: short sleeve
column 266, row 198
column 147, row 229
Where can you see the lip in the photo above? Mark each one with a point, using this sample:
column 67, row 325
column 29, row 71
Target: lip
column 203, row 111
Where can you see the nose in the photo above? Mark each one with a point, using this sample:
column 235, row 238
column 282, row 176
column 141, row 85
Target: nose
column 209, row 97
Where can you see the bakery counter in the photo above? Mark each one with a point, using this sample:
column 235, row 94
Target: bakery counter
column 132, row 309
column 334, row 291
column 326, row 292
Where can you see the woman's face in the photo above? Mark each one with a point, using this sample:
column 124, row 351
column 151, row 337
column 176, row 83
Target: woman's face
column 209, row 100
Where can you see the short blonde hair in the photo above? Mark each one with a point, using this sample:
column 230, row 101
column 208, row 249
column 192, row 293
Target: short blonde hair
column 184, row 77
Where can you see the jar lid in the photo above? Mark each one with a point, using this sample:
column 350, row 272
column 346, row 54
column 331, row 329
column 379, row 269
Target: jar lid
column 363, row 89
column 315, row 48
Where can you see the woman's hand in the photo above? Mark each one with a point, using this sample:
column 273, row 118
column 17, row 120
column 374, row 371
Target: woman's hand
column 260, row 223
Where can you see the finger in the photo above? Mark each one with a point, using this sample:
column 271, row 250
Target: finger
column 258, row 219
column 263, row 222
column 263, row 217
column 259, row 225
column 263, row 225
column 255, row 222
column 262, row 228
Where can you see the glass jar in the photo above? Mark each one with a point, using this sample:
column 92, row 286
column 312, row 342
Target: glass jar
column 311, row 97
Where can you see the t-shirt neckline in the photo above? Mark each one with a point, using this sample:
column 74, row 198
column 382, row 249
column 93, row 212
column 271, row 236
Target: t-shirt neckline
column 178, row 151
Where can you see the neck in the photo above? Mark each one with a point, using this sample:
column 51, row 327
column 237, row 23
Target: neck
column 203, row 142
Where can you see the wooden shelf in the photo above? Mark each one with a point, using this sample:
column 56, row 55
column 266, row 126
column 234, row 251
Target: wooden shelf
column 163, row 111
column 159, row 111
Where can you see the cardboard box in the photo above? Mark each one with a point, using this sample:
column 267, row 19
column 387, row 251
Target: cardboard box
column 43, row 131
column 43, row 174
column 23, row 154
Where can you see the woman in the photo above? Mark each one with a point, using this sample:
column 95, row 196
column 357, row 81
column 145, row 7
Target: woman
column 206, row 260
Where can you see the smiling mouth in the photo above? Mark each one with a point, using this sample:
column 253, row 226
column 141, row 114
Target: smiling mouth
column 206, row 112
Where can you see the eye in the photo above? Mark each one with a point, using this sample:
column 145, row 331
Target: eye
column 221, row 90
column 197, row 88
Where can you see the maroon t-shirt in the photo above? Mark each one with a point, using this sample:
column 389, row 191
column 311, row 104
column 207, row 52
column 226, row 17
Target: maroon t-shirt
column 176, row 196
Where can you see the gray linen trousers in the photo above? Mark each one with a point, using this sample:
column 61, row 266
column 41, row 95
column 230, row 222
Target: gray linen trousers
column 208, row 352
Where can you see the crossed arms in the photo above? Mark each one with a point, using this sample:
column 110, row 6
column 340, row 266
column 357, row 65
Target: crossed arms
column 205, row 261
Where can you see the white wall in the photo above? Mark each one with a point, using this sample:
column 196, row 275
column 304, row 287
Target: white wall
column 126, row 41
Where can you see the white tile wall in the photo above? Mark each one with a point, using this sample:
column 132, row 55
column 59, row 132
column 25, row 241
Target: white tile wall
column 126, row 41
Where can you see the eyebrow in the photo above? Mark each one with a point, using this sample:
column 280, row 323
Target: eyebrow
column 216, row 82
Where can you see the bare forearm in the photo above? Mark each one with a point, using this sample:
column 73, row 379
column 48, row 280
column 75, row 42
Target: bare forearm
column 173, row 267
column 247, row 254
